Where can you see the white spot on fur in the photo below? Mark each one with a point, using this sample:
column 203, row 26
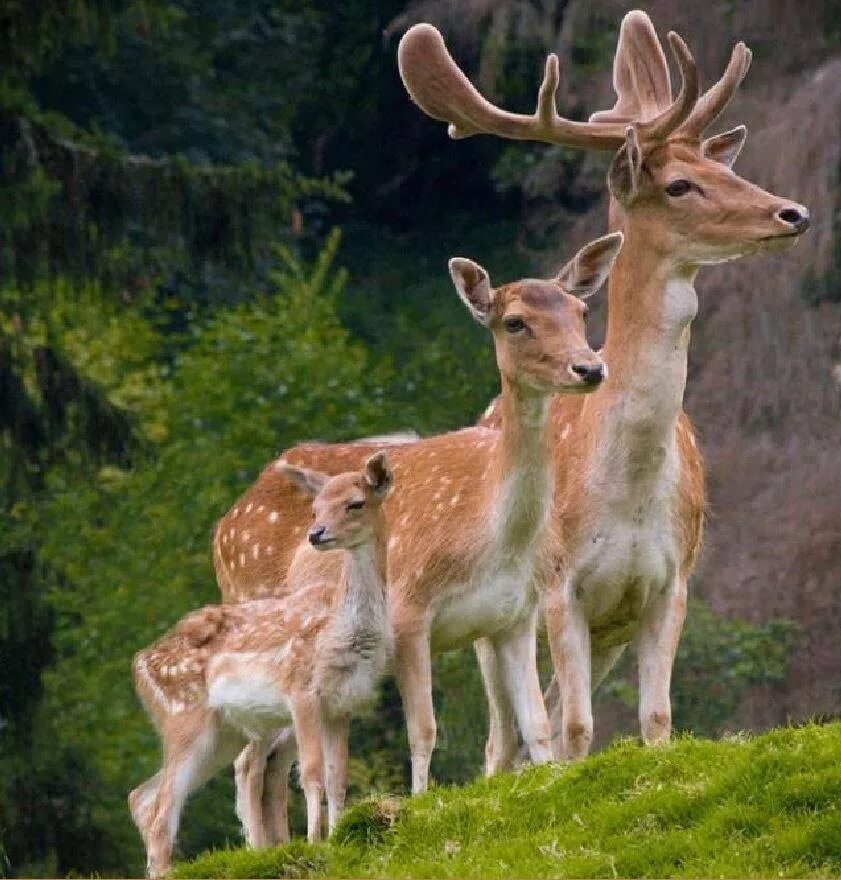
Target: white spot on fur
column 269, row 550
column 273, row 516
column 255, row 550
column 565, row 432
column 248, row 507
column 242, row 559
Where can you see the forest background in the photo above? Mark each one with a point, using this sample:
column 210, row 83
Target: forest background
column 224, row 229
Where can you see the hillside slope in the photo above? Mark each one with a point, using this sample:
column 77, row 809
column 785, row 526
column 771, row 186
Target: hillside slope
column 769, row 806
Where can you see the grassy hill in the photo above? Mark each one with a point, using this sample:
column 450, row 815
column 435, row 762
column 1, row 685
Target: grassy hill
column 741, row 807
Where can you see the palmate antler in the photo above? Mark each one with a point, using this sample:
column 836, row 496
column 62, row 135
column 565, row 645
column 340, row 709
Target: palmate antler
column 439, row 87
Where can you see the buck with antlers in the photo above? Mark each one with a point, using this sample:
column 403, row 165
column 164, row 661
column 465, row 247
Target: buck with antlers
column 629, row 489
column 231, row 674
column 468, row 522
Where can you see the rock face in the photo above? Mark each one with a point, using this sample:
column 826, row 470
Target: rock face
column 765, row 368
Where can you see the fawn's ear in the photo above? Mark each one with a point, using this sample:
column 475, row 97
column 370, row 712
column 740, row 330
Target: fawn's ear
column 725, row 148
column 378, row 474
column 311, row 482
column 474, row 287
column 585, row 273
column 624, row 175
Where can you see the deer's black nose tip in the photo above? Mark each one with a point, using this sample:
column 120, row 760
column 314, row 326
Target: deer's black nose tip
column 795, row 216
column 589, row 374
column 316, row 534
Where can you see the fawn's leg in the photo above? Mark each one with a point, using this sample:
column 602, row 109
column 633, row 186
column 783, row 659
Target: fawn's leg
column 335, row 737
column 307, row 717
column 249, row 771
column 276, row 786
column 516, row 653
column 657, row 643
column 501, row 745
column 141, row 802
column 192, row 754
column 569, row 643
column 413, row 670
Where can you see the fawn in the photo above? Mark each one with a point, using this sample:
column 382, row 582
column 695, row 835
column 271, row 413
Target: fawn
column 229, row 675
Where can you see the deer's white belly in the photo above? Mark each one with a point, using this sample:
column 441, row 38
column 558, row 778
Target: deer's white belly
column 487, row 605
column 243, row 690
column 621, row 566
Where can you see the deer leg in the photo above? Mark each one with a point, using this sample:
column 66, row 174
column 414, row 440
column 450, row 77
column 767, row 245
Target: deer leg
column 413, row 670
column 141, row 803
column 335, row 733
column 657, row 643
column 569, row 643
column 249, row 771
column 307, row 719
column 501, row 745
column 602, row 660
column 276, row 786
column 186, row 767
column 517, row 658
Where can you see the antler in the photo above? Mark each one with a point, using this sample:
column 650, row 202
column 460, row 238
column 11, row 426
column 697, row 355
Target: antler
column 438, row 86
column 714, row 101
column 640, row 73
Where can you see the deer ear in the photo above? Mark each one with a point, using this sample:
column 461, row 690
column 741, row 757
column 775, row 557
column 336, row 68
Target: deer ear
column 378, row 474
column 725, row 148
column 310, row 482
column 473, row 286
column 585, row 273
column 623, row 177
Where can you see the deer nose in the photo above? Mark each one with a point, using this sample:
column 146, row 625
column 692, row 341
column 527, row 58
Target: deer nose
column 591, row 375
column 316, row 535
column 795, row 216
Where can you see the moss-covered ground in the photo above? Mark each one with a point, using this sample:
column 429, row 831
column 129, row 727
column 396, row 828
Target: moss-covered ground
column 740, row 807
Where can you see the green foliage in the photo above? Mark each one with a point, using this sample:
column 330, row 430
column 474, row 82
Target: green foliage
column 129, row 548
column 694, row 808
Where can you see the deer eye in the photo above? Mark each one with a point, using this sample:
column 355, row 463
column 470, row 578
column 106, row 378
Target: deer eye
column 514, row 325
column 355, row 505
column 678, row 187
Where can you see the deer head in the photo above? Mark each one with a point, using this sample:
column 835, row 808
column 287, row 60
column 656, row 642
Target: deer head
column 538, row 326
column 345, row 508
column 676, row 185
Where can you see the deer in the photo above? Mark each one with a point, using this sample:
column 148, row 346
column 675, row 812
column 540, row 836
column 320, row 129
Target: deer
column 230, row 675
column 629, row 481
column 468, row 521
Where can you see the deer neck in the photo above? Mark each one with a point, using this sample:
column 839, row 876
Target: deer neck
column 363, row 600
column 651, row 305
column 521, row 470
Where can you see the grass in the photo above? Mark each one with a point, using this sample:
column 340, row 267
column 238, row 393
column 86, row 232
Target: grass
column 740, row 807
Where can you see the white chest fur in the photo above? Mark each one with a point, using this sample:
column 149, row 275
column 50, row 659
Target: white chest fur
column 627, row 550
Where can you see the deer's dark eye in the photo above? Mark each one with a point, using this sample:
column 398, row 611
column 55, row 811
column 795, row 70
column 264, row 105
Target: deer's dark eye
column 678, row 187
column 514, row 325
column 356, row 505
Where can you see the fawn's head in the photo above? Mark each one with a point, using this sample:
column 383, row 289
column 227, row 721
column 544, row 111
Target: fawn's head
column 538, row 326
column 673, row 185
column 345, row 508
